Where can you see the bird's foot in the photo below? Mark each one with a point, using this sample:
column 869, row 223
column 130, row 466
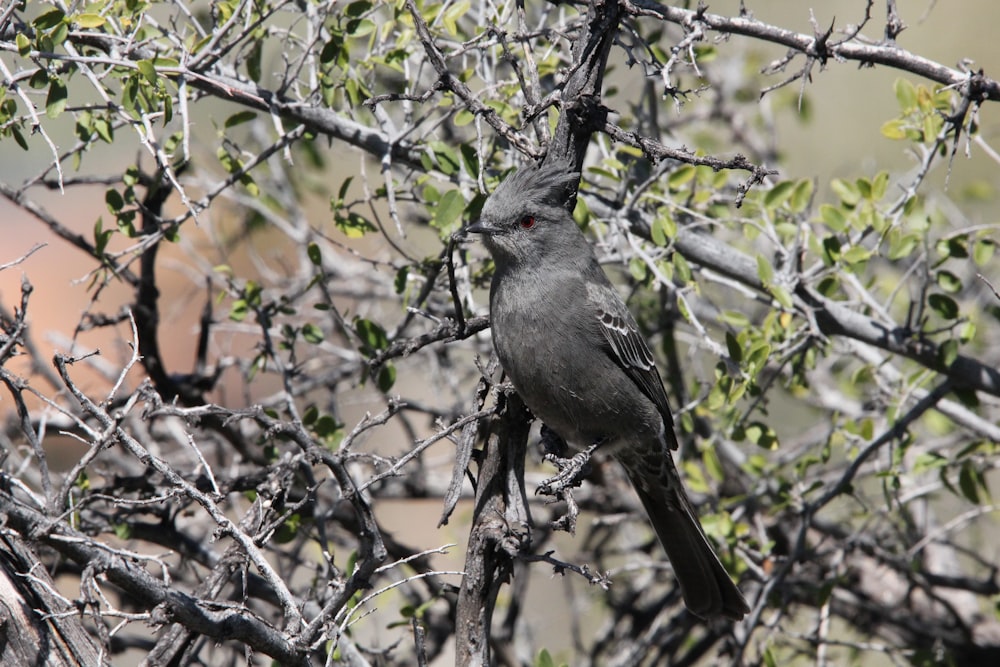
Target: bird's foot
column 571, row 474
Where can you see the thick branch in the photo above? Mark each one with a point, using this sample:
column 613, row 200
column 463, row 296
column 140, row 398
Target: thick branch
column 815, row 46
column 500, row 512
column 39, row 626
column 581, row 113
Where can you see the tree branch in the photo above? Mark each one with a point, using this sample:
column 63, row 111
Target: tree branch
column 815, row 46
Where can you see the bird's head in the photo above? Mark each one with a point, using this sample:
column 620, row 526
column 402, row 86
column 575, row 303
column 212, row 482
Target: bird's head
column 526, row 219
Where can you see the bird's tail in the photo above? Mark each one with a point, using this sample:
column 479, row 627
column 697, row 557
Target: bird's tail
column 705, row 584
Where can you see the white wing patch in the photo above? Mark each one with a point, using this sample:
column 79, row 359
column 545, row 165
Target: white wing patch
column 625, row 341
column 630, row 351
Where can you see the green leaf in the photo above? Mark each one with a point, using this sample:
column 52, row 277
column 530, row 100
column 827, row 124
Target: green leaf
column 544, row 659
column 834, row 218
column 931, row 127
column 23, row 44
column 450, row 17
column 954, row 247
column 239, row 310
column 681, row 177
column 764, row 270
column 864, row 187
column 55, row 101
column 801, row 195
column 894, row 129
column 19, row 137
column 147, row 69
column 399, row 283
column 471, row 159
column 831, row 248
column 84, row 125
column 131, row 176
column 924, row 100
column 125, row 223
column 55, row 37
column 448, row 210
column 253, row 293
column 114, row 200
column 948, row 281
column 930, row 461
column 880, row 184
column 847, row 191
column 902, row 245
column 332, row 49
column 240, row 118
column 762, row 435
column 329, row 430
column 358, row 8
column 782, row 296
column 104, row 130
column 733, row 345
column 312, row 334
column 713, row 465
column 90, row 20
column 734, row 318
column 779, row 194
column 310, row 415
column 386, row 378
column 315, row 254
column 101, row 238
column 982, row 251
column 253, row 62
column 759, row 354
column 353, row 225
column 165, row 61
column 948, row 352
column 289, row 529
column 967, row 332
column 130, row 93
column 943, row 305
column 906, row 94
column 664, row 228
column 373, row 336
column 967, row 482
column 447, row 161
column 342, row 193
column 682, row 268
column 856, row 255
column 49, row 19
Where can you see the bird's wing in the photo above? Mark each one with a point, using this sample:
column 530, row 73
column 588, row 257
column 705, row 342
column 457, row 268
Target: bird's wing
column 629, row 350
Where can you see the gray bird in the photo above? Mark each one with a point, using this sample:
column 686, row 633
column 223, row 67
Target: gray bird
column 573, row 352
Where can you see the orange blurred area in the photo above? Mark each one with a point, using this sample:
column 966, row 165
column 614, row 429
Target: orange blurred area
column 64, row 286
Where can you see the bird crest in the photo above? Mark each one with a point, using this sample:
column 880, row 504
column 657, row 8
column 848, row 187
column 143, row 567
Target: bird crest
column 533, row 187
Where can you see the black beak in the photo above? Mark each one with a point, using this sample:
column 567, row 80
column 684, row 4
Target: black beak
column 478, row 227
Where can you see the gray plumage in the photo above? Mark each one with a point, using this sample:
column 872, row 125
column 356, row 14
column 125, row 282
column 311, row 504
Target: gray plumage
column 574, row 353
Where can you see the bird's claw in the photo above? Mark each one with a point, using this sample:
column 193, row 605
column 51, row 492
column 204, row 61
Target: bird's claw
column 571, row 473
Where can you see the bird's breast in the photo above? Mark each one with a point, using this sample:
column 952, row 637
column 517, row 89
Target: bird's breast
column 553, row 354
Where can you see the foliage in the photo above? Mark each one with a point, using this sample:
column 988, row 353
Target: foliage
column 829, row 348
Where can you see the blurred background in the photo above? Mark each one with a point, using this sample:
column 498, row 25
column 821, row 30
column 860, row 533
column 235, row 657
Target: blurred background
column 826, row 129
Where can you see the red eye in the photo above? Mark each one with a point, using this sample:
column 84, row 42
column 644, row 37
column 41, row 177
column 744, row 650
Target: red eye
column 527, row 222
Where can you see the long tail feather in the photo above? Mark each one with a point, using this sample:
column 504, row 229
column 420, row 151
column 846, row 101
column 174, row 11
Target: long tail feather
column 707, row 588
